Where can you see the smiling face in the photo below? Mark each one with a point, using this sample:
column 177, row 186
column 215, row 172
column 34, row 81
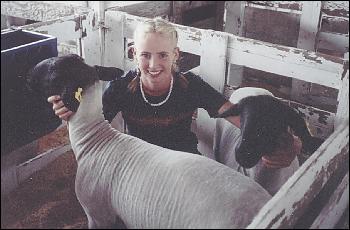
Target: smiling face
column 155, row 54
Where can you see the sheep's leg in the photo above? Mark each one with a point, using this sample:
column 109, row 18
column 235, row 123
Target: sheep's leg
column 91, row 222
column 95, row 220
column 119, row 224
column 94, row 223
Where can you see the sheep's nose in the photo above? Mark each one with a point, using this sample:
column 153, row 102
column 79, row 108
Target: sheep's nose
column 247, row 158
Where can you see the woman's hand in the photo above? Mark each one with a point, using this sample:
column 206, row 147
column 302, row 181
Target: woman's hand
column 60, row 110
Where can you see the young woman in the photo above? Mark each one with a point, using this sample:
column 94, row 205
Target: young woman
column 157, row 101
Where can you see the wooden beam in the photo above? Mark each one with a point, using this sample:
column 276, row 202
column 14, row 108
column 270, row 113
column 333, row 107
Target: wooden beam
column 342, row 114
column 334, row 24
column 115, row 40
column 320, row 122
column 213, row 53
column 309, row 26
column 64, row 29
column 333, row 41
column 306, row 182
column 91, row 42
column 287, row 61
column 27, row 168
column 235, row 24
column 334, row 209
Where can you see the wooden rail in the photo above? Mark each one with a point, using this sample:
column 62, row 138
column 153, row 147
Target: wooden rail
column 292, row 200
column 215, row 50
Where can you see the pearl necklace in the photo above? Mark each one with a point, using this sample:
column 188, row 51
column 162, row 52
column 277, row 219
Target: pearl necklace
column 160, row 103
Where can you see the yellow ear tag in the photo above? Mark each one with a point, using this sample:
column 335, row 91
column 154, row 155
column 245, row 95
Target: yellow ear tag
column 78, row 94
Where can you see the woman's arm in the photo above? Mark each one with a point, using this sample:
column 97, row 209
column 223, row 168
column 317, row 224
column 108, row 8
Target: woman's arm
column 232, row 119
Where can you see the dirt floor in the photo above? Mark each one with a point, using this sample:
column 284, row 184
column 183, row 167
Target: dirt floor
column 47, row 199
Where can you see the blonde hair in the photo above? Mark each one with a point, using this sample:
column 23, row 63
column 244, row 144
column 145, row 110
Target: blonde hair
column 156, row 25
column 163, row 27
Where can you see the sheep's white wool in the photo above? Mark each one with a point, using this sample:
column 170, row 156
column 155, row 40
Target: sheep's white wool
column 226, row 140
column 120, row 177
column 241, row 93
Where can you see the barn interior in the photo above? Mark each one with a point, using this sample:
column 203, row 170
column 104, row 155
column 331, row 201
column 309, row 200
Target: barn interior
column 297, row 50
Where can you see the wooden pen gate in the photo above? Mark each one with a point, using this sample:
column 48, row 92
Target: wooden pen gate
column 321, row 185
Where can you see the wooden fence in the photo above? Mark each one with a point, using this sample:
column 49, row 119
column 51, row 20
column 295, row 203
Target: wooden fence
column 106, row 43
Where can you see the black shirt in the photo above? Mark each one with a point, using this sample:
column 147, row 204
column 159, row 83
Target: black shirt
column 168, row 125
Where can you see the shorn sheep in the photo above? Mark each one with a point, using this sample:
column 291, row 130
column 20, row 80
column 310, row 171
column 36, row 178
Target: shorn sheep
column 125, row 182
column 265, row 123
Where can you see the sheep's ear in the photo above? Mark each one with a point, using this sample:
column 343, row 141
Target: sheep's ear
column 300, row 128
column 71, row 97
column 108, row 73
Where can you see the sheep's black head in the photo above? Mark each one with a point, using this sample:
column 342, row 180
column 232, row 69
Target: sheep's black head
column 66, row 76
column 264, row 127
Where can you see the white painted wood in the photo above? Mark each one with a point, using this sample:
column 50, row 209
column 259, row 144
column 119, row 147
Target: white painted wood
column 342, row 114
column 114, row 39
column 91, row 46
column 115, row 49
column 100, row 9
column 234, row 18
column 304, row 185
column 320, row 122
column 334, row 21
column 309, row 25
column 190, row 39
column 333, row 41
column 287, row 61
column 64, row 29
column 333, row 211
column 234, row 23
column 27, row 168
column 213, row 54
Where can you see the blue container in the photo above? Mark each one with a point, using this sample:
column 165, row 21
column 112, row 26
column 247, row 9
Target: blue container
column 24, row 115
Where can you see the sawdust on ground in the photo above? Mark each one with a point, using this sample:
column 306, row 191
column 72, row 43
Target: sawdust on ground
column 47, row 199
